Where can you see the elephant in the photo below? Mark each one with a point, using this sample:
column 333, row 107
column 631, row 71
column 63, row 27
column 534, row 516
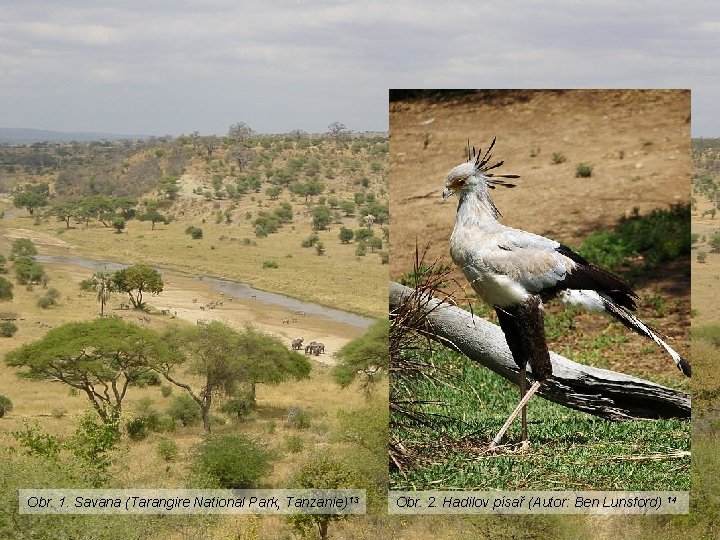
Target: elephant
column 297, row 344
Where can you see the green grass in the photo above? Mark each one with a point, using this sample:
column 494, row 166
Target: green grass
column 570, row 449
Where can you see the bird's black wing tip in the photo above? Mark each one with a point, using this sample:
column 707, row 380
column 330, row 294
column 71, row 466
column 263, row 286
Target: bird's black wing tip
column 684, row 366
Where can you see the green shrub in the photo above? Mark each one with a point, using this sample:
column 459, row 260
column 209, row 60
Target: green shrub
column 264, row 225
column 583, row 170
column 270, row 264
column 195, row 233
column 137, row 429
column 28, row 272
column 168, row 450
column 294, row 444
column 184, row 409
column 6, row 289
column 8, row 328
column 45, row 302
column 298, row 418
column 239, row 406
column 558, row 158
column 701, row 257
column 36, row 442
column 5, row 405
column 145, row 378
column 23, row 247
column 166, row 390
column 235, row 461
column 310, row 241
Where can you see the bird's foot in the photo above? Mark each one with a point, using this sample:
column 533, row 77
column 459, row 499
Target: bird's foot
column 515, row 448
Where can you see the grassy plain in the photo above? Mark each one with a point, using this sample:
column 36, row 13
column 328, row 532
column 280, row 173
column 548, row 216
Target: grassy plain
column 229, row 249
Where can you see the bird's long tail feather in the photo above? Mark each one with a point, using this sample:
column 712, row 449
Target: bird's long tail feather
column 595, row 301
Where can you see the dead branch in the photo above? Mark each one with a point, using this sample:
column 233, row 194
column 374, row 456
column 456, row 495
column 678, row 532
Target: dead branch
column 600, row 392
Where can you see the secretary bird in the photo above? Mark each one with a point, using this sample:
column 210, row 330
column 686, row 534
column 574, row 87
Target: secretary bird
column 516, row 271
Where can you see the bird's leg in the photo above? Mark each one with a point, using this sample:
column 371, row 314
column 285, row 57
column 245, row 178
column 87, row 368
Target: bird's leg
column 523, row 416
column 525, row 333
column 520, row 407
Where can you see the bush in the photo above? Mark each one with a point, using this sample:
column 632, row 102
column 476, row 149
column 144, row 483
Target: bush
column 583, row 170
column 297, row 418
column 28, row 272
column 239, row 406
column 184, row 409
column 167, row 449
column 137, row 429
column 310, row 241
column 264, row 225
column 270, row 264
column 8, row 329
column 145, row 378
column 5, row 405
column 701, row 257
column 195, row 233
column 166, row 390
column 23, row 247
column 45, row 302
column 234, row 461
column 6, row 289
column 294, row 444
column 558, row 158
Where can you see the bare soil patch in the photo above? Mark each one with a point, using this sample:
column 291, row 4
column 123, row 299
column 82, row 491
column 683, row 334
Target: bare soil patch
column 189, row 299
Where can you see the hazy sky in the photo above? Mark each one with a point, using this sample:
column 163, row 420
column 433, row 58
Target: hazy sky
column 151, row 67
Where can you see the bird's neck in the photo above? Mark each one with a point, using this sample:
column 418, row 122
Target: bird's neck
column 476, row 209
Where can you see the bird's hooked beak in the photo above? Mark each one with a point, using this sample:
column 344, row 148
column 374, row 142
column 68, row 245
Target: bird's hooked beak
column 447, row 192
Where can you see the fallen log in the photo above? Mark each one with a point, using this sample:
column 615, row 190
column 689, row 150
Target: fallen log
column 600, row 392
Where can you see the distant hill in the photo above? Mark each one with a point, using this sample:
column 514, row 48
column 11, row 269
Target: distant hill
column 25, row 135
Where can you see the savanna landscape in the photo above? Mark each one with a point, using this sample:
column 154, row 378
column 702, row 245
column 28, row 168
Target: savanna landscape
column 153, row 288
column 607, row 173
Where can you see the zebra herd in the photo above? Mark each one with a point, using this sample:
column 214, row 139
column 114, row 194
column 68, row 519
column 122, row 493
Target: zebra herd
column 313, row 347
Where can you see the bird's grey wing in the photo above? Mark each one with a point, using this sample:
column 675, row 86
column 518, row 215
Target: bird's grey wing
column 558, row 268
column 532, row 260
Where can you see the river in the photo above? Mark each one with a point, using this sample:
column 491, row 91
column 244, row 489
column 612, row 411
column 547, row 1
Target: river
column 227, row 288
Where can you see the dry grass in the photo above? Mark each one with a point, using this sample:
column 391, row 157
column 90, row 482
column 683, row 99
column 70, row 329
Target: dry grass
column 337, row 279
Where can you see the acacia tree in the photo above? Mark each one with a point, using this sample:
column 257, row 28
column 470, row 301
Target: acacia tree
column 65, row 211
column 153, row 216
column 102, row 358
column 32, row 197
column 337, row 130
column 366, row 357
column 135, row 281
column 227, row 359
column 240, row 130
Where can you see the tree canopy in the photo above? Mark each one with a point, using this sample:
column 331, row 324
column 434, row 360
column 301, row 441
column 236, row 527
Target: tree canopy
column 102, row 358
column 226, row 359
column 366, row 356
column 136, row 280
